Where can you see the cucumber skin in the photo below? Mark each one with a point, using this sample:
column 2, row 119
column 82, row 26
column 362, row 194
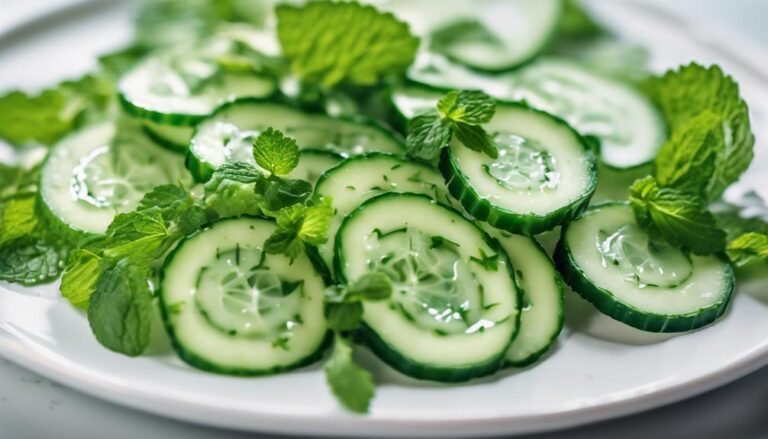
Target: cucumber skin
column 404, row 364
column 198, row 362
column 202, row 172
column 546, row 44
column 604, row 302
column 535, row 356
column 175, row 119
column 422, row 371
column 163, row 142
column 523, row 224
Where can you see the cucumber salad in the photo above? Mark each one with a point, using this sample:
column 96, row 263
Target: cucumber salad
column 281, row 183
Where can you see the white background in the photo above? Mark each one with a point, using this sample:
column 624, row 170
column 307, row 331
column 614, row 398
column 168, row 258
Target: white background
column 32, row 407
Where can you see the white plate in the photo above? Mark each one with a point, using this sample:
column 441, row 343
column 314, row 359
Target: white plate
column 598, row 370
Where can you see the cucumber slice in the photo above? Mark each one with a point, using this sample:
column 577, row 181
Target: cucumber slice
column 174, row 138
column 542, row 309
column 231, row 308
column 228, row 134
column 629, row 276
column 455, row 305
column 182, row 89
column 544, row 176
column 313, row 163
column 487, row 35
column 364, row 176
column 628, row 125
column 101, row 171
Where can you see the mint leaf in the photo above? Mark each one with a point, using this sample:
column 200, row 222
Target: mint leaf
column 427, row 135
column 371, row 286
column 17, row 217
column 32, row 259
column 735, row 224
column 298, row 225
column 475, row 138
column 279, row 193
column 685, row 93
column 680, row 218
column 46, row 117
column 488, row 262
column 78, row 281
column 231, row 191
column 351, row 384
column 458, row 113
column 275, row 152
column 120, row 311
column 748, row 248
column 330, row 43
column 343, row 316
column 469, row 106
column 687, row 160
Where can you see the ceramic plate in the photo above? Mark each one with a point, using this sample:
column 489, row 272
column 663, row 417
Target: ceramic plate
column 599, row 369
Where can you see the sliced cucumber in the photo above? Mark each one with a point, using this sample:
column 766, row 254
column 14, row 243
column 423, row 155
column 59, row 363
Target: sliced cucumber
column 455, row 305
column 314, row 162
column 488, row 35
column 100, row 171
column 231, row 308
column 629, row 276
column 229, row 133
column 174, row 138
column 362, row 177
column 544, row 176
column 182, row 89
column 541, row 318
column 626, row 122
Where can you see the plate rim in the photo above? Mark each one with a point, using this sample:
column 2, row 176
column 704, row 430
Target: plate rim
column 739, row 49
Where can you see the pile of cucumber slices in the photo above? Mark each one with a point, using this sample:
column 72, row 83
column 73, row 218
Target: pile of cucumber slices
column 163, row 200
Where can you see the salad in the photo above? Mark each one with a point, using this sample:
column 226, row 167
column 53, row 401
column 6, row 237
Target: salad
column 281, row 182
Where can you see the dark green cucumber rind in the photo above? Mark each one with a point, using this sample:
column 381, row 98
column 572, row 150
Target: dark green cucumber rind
column 319, row 264
column 163, row 142
column 521, row 223
column 202, row 171
column 545, row 44
column 196, row 361
column 535, row 356
column 402, row 363
column 421, row 371
column 175, row 119
column 607, row 304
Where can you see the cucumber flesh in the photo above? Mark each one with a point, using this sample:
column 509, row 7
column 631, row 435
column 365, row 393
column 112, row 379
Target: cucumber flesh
column 231, row 308
column 313, row 163
column 184, row 86
column 628, row 125
column 451, row 317
column 646, row 283
column 101, row 171
column 229, row 133
column 544, row 175
column 542, row 310
column 362, row 177
column 487, row 35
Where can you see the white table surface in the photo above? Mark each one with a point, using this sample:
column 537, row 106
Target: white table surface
column 33, row 407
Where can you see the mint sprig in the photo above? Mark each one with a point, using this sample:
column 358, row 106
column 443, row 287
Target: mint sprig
column 458, row 113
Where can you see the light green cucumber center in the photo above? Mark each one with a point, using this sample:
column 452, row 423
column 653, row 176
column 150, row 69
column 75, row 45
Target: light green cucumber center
column 433, row 286
column 117, row 176
column 185, row 77
column 240, row 295
column 523, row 164
column 574, row 102
column 641, row 260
